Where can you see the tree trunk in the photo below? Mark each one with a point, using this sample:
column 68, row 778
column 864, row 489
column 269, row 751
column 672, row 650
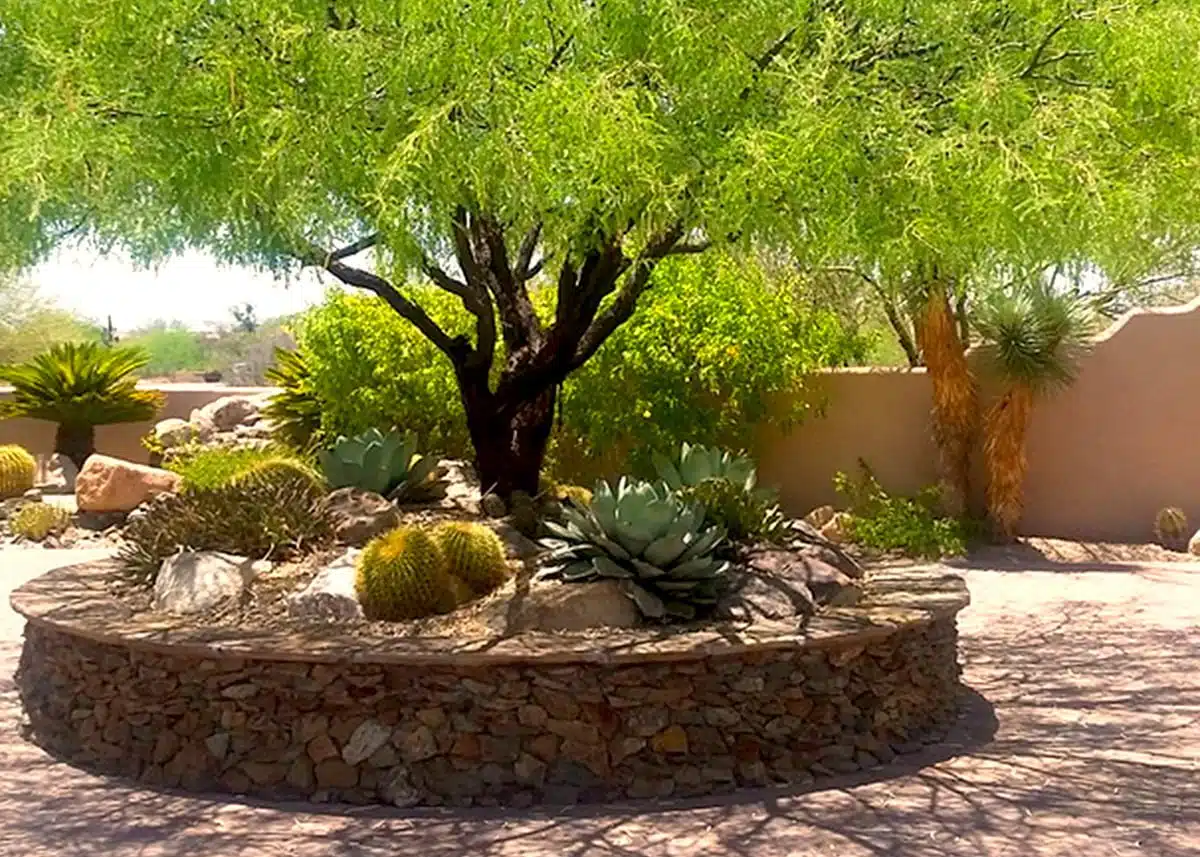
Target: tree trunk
column 76, row 442
column 1006, row 428
column 510, row 437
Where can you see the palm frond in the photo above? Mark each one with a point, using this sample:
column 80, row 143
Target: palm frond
column 80, row 384
column 1033, row 336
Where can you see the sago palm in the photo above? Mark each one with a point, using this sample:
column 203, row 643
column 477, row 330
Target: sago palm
column 1033, row 339
column 79, row 386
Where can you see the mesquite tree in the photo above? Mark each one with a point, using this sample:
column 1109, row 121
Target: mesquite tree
column 497, row 146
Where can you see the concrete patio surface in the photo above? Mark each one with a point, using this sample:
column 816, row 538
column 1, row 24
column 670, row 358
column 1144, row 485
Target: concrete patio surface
column 1081, row 737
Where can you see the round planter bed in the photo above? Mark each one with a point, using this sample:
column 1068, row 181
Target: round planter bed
column 328, row 715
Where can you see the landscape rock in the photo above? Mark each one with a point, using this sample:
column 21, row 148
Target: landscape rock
column 201, row 426
column 458, row 485
column 820, row 516
column 107, row 484
column 803, row 537
column 59, row 475
column 1194, row 544
column 517, row 545
column 359, row 515
column 331, row 595
column 33, row 495
column 800, row 571
column 194, row 582
column 575, row 607
column 172, row 432
column 493, row 506
column 835, row 529
column 228, row 412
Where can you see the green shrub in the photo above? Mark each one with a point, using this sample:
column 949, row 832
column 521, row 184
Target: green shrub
column 910, row 525
column 295, row 411
column 715, row 347
column 204, row 468
column 259, row 518
column 35, row 521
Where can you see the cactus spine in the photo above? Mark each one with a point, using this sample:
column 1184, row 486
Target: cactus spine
column 17, row 470
column 402, row 574
column 473, row 552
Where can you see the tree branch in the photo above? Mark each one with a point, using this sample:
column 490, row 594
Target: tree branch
column 355, row 248
column 522, row 270
column 1036, row 59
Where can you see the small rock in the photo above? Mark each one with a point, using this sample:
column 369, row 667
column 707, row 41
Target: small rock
column 331, row 595
column 493, row 506
column 516, row 544
column 359, row 515
column 396, row 789
column 820, row 516
column 835, row 530
column 367, row 738
column 575, row 607
column 218, row 745
column 108, row 484
column 173, row 432
column 336, row 774
column 419, row 744
column 33, row 495
column 59, row 476
column 672, row 740
column 459, row 485
column 321, row 748
column 1194, row 544
column 201, row 426
column 194, row 582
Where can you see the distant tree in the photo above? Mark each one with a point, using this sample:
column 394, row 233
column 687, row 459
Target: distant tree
column 29, row 324
column 244, row 317
column 481, row 144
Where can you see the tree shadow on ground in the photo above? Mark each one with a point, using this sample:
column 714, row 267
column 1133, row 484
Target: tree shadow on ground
column 1096, row 750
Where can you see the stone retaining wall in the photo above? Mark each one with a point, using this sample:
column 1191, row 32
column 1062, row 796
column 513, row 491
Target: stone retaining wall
column 514, row 732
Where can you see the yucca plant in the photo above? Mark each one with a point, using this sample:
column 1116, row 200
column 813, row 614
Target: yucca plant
column 1033, row 339
column 80, row 386
column 726, row 485
column 386, row 464
column 647, row 537
column 295, row 411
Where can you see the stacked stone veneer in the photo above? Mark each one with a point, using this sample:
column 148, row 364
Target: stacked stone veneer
column 490, row 727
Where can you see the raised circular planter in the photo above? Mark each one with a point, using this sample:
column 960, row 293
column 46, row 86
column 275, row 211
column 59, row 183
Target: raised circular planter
column 328, row 715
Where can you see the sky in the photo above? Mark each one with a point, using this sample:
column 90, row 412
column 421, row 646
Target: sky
column 192, row 288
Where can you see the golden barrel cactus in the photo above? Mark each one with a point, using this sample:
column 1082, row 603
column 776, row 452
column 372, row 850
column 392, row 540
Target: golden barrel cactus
column 35, row 521
column 402, row 574
column 1171, row 527
column 474, row 553
column 17, row 471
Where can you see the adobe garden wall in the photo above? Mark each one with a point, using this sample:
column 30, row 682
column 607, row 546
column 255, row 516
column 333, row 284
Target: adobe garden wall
column 533, row 719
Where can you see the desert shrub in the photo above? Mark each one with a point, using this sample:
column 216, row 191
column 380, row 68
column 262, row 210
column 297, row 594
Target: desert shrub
column 257, row 518
column 715, row 347
column 35, row 521
column 204, row 468
column 369, row 368
column 912, row 526
column 295, row 411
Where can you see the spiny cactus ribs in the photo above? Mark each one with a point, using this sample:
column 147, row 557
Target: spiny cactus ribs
column 403, row 574
column 17, row 470
column 473, row 552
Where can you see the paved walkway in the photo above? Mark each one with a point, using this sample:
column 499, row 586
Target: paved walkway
column 1084, row 740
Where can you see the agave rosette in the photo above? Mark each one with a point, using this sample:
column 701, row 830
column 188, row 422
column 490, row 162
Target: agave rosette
column 644, row 535
column 386, row 464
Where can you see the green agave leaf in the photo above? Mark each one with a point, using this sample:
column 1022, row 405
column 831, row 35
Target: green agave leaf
column 679, row 610
column 666, row 470
column 605, row 567
column 650, row 604
column 665, row 550
column 704, row 544
column 646, row 571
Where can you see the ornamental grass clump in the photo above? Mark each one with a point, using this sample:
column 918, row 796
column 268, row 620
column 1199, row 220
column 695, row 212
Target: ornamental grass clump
column 647, row 537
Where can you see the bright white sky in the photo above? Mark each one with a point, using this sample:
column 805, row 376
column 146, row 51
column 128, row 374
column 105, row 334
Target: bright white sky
column 191, row 288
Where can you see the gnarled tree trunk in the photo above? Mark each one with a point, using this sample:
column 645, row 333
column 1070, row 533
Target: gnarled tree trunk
column 76, row 442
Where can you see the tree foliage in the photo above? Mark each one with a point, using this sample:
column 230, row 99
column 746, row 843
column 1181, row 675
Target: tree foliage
column 479, row 143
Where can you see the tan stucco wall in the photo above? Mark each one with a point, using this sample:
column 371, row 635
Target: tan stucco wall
column 123, row 441
column 1104, row 455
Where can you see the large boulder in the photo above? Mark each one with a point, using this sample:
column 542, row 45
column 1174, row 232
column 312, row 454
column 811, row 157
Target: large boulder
column 195, row 582
column 574, row 607
column 229, row 412
column 359, row 515
column 107, row 484
column 201, row 426
column 331, row 596
column 805, row 568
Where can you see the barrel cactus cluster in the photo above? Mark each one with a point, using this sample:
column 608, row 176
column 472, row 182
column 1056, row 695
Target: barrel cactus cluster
column 412, row 572
column 36, row 521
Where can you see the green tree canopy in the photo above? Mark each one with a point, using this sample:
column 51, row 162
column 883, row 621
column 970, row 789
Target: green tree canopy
column 480, row 143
